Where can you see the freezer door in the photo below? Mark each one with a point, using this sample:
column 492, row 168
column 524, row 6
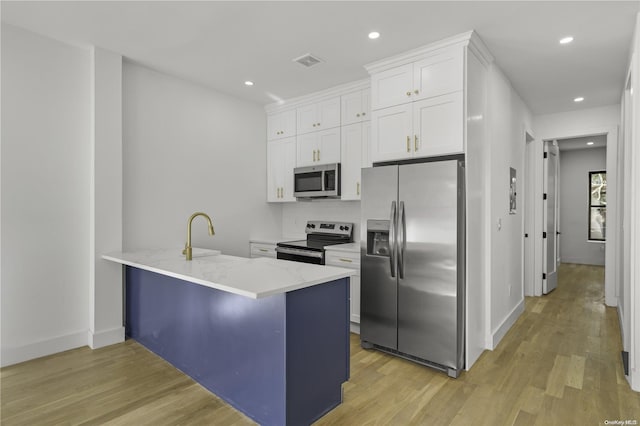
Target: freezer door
column 428, row 307
column 378, row 286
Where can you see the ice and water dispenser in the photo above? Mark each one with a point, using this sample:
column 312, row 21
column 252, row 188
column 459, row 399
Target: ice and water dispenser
column 378, row 238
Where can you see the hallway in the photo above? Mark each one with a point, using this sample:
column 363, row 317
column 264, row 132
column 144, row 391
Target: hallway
column 559, row 364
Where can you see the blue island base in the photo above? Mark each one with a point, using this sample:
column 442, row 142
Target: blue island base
column 280, row 360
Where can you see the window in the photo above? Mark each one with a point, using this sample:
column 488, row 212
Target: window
column 597, row 205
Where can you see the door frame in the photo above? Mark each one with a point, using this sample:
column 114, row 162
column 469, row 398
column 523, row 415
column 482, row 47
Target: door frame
column 529, row 224
column 611, row 249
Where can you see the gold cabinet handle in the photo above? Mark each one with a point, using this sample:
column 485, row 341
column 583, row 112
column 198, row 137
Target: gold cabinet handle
column 408, row 143
column 415, row 143
column 358, row 188
column 342, row 259
column 408, row 93
column 318, row 124
column 318, row 155
column 364, row 113
column 357, row 115
column 314, row 155
column 314, row 124
column 265, row 250
column 416, row 91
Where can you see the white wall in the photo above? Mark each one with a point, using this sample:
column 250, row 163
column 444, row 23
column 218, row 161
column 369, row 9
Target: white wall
column 575, row 166
column 45, row 195
column 296, row 215
column 186, row 149
column 508, row 119
column 629, row 297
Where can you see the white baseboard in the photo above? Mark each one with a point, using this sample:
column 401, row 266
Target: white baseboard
column 15, row 354
column 507, row 323
column 354, row 327
column 105, row 338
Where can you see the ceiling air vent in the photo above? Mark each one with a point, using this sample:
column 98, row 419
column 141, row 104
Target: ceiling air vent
column 308, row 60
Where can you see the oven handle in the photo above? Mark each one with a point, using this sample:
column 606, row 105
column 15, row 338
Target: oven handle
column 299, row 252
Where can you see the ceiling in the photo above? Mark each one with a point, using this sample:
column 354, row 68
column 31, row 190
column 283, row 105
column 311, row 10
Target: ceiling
column 571, row 144
column 222, row 44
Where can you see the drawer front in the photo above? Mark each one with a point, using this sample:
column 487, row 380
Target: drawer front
column 343, row 259
column 263, row 250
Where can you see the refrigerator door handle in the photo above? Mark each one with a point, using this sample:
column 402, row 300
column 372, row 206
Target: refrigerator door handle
column 402, row 239
column 392, row 239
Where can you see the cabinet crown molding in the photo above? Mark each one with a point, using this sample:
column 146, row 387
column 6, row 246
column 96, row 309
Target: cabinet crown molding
column 469, row 38
column 319, row 96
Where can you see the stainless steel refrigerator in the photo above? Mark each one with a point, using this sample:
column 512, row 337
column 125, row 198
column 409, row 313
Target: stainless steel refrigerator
column 412, row 260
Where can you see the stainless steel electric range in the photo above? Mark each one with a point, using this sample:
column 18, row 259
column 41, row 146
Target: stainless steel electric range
column 319, row 235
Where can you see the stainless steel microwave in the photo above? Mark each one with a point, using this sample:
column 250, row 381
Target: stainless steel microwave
column 322, row 181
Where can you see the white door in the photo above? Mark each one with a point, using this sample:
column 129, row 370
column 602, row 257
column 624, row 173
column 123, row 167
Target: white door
column 392, row 87
column 328, row 114
column 328, row 148
column 351, row 157
column 439, row 74
column 307, row 149
column 550, row 228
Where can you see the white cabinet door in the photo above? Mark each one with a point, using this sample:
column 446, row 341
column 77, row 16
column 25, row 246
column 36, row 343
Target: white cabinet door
column 328, row 146
column 318, row 148
column 319, row 116
column 366, row 144
column 281, row 157
column 438, row 125
column 307, row 119
column 307, row 149
column 356, row 107
column 329, row 114
column 351, row 161
column 281, row 125
column 392, row 87
column 289, row 163
column 438, row 74
column 391, row 133
column 351, row 261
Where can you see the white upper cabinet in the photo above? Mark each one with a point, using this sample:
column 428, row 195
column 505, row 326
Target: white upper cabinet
column 321, row 147
column 438, row 126
column 391, row 133
column 318, row 116
column 438, row 73
column 355, row 156
column 392, row 87
column 426, row 128
column 281, row 125
column 356, row 107
column 281, row 160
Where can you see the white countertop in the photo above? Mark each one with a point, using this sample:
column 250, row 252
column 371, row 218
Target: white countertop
column 255, row 278
column 349, row 247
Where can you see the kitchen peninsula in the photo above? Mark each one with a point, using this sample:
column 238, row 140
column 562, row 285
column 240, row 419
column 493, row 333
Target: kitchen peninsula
column 270, row 337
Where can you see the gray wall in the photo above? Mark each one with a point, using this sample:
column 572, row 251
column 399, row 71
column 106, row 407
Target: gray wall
column 575, row 166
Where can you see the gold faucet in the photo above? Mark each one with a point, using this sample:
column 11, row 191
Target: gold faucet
column 188, row 251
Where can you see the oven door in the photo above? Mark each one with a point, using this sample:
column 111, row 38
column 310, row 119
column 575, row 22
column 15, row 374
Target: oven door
column 300, row 255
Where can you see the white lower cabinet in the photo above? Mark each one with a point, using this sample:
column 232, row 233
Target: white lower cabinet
column 262, row 250
column 349, row 260
column 281, row 160
column 355, row 156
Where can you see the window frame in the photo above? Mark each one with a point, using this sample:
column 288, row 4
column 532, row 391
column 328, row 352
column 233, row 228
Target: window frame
column 592, row 206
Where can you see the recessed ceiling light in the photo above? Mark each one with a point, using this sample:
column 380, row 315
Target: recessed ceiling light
column 248, row 83
column 589, row 143
column 566, row 40
column 374, row 35
column 578, row 99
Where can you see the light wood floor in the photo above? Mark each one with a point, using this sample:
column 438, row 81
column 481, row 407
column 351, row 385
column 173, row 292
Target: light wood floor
column 559, row 364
